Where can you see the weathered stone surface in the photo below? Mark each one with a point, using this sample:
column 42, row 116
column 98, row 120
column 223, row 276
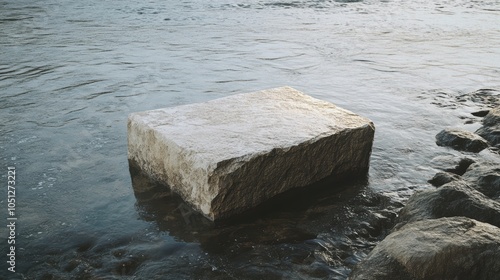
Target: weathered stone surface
column 461, row 140
column 491, row 134
column 447, row 248
column 457, row 198
column 485, row 177
column 493, row 117
column 491, row 127
column 230, row 154
column 453, row 164
column 442, row 178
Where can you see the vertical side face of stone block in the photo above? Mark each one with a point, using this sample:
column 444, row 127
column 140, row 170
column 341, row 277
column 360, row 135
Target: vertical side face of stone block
column 165, row 161
column 260, row 178
column 231, row 154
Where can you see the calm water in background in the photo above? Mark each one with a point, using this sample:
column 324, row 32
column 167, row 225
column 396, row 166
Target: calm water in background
column 71, row 72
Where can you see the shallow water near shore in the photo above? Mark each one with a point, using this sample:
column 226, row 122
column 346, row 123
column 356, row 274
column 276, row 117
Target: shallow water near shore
column 70, row 73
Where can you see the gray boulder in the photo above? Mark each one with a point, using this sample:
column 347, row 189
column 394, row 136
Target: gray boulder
column 461, row 140
column 491, row 127
column 457, row 198
column 446, row 248
column 442, row 178
column 451, row 163
column 485, row 178
column 490, row 133
column 493, row 117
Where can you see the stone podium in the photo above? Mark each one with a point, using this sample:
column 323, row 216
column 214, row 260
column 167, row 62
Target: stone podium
column 229, row 155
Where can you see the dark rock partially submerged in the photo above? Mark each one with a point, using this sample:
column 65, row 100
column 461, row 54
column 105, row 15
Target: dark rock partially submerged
column 445, row 248
column 453, row 231
column 493, row 117
column 491, row 128
column 481, row 113
column 490, row 133
column 456, row 198
column 452, row 164
column 442, row 178
column 461, row 140
column 486, row 178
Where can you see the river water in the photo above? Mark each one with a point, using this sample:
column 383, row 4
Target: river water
column 72, row 71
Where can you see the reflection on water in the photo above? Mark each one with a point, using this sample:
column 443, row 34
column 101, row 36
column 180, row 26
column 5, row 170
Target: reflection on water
column 71, row 72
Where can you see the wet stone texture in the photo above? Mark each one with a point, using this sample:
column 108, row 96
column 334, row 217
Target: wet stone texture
column 461, row 140
column 231, row 154
column 450, row 232
column 445, row 248
column 491, row 127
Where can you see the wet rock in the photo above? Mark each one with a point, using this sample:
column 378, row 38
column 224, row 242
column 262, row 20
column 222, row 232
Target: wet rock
column 446, row 248
column 462, row 166
column 492, row 118
column 461, row 140
column 481, row 113
column 485, row 178
column 231, row 154
column 452, row 164
column 491, row 127
column 491, row 134
column 456, row 198
column 442, row 178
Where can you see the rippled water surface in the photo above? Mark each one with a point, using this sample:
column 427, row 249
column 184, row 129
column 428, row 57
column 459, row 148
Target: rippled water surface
column 71, row 72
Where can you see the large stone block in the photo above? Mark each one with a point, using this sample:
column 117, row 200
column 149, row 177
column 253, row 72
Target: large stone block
column 231, row 154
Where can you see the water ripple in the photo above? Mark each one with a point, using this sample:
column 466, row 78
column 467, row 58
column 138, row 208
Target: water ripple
column 27, row 72
column 70, row 75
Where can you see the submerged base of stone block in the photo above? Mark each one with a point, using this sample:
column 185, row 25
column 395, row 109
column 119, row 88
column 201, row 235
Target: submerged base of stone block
column 231, row 154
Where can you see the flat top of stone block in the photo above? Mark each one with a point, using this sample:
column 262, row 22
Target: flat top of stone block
column 249, row 123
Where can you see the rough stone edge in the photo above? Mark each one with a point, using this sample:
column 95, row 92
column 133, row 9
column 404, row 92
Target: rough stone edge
column 200, row 186
column 325, row 147
column 222, row 174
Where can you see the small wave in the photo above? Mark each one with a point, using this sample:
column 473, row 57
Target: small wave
column 53, row 124
column 14, row 105
column 85, row 83
column 76, row 110
column 2, row 20
column 97, row 94
column 234, row 81
column 315, row 4
column 26, row 72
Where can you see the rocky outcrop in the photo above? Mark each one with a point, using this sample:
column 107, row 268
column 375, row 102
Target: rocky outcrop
column 453, row 231
column 491, row 128
column 230, row 154
column 452, row 164
column 461, row 140
column 456, row 198
column 447, row 249
column 485, row 177
column 442, row 178
column 493, row 117
column 491, row 134
column 445, row 233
